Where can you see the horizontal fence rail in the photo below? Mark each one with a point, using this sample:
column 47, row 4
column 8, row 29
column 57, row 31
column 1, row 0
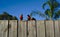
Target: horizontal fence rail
column 42, row 28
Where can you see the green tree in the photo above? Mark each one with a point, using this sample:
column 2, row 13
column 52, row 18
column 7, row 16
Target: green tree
column 6, row 16
column 52, row 12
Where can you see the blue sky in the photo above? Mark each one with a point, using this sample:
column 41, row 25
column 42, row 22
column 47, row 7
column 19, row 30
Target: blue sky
column 17, row 7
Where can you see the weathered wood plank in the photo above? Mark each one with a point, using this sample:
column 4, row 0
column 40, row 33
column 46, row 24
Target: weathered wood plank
column 59, row 26
column 52, row 28
column 57, row 29
column 49, row 28
column 40, row 29
column 31, row 29
column 22, row 29
column 3, row 26
column 13, row 28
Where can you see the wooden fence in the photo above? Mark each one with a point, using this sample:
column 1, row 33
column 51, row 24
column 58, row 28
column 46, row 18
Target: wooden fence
column 14, row 28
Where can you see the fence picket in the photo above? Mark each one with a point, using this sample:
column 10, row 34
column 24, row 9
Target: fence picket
column 22, row 29
column 31, row 29
column 40, row 29
column 13, row 28
column 3, row 27
column 49, row 29
column 56, row 29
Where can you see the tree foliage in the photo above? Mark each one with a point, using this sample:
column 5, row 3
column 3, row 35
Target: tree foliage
column 52, row 12
column 6, row 16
